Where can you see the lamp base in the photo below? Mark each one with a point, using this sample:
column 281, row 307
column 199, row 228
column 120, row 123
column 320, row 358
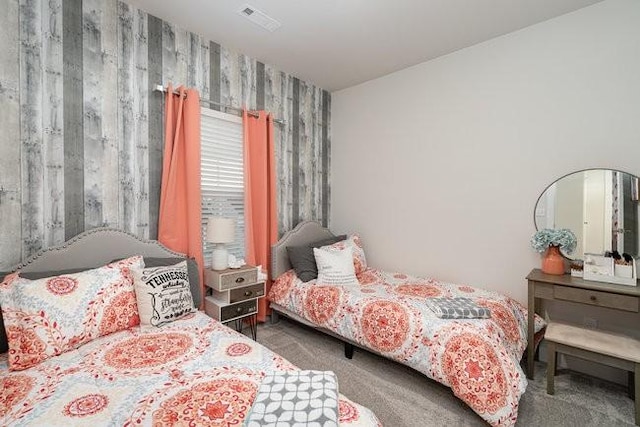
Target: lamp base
column 220, row 258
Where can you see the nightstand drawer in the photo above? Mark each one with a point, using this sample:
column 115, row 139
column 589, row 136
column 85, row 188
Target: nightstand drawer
column 240, row 294
column 248, row 292
column 225, row 312
column 230, row 278
column 602, row 299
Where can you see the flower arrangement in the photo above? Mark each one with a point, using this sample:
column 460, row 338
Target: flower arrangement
column 564, row 238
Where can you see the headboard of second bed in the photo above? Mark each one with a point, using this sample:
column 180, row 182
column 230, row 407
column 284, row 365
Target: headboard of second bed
column 304, row 233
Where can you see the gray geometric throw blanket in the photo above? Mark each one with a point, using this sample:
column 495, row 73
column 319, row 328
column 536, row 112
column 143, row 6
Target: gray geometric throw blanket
column 457, row 308
column 296, row 399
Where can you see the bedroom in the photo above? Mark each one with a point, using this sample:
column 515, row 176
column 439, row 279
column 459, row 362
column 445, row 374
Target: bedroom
column 438, row 166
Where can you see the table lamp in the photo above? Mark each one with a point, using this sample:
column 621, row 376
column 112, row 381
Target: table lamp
column 220, row 231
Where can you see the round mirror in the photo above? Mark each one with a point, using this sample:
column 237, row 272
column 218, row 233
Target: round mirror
column 599, row 205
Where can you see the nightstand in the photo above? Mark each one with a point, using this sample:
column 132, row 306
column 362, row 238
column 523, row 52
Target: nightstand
column 234, row 296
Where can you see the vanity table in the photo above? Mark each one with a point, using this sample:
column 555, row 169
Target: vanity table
column 566, row 288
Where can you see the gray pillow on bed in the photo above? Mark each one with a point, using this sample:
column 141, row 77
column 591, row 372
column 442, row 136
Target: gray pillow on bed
column 302, row 260
column 4, row 344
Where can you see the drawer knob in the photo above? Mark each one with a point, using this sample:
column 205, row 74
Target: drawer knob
column 248, row 293
column 592, row 298
column 239, row 309
column 240, row 280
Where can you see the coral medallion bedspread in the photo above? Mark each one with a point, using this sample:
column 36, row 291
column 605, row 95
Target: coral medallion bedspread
column 194, row 371
column 477, row 358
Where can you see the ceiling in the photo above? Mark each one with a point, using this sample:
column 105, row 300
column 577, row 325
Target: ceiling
column 340, row 43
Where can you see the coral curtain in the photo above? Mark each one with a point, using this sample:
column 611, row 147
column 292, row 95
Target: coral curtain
column 179, row 223
column 261, row 221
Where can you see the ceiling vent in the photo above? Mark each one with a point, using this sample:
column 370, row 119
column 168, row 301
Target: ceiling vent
column 259, row 18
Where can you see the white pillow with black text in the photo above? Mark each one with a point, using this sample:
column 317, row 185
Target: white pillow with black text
column 163, row 294
column 335, row 267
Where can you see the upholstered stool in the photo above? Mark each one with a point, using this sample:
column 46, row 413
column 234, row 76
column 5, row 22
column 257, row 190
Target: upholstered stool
column 608, row 348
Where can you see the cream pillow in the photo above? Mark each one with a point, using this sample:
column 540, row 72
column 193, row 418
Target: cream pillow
column 335, row 267
column 359, row 259
column 163, row 294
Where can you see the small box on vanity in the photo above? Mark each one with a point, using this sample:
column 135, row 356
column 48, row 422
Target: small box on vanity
column 600, row 268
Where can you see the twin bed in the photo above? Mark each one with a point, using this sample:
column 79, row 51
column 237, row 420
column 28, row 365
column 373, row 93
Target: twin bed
column 192, row 371
column 387, row 313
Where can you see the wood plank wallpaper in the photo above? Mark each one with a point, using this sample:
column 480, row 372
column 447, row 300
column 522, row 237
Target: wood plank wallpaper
column 81, row 129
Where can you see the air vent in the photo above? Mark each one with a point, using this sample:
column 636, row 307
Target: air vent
column 259, row 18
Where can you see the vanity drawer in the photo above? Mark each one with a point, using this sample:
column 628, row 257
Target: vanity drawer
column 602, row 299
column 225, row 312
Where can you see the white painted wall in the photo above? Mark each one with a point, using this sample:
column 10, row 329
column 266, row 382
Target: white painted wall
column 439, row 166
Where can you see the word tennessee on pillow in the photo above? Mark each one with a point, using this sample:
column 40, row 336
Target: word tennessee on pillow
column 163, row 294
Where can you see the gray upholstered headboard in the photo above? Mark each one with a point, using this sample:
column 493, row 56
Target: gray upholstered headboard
column 305, row 232
column 97, row 247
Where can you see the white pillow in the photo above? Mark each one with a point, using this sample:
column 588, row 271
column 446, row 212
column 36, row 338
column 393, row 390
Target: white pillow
column 335, row 267
column 163, row 294
column 353, row 241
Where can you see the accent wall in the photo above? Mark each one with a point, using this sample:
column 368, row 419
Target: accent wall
column 82, row 127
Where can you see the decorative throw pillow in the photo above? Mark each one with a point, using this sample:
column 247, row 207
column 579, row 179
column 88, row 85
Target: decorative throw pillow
column 335, row 267
column 47, row 317
column 163, row 294
column 296, row 398
column 192, row 268
column 303, row 261
column 457, row 308
column 353, row 242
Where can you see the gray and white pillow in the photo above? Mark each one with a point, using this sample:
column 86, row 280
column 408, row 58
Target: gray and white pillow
column 296, row 399
column 163, row 294
column 457, row 308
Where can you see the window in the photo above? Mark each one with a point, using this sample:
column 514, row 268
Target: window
column 222, row 175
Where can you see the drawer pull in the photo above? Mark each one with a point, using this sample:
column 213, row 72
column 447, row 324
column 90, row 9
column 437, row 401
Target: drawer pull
column 240, row 280
column 592, row 298
column 239, row 309
column 248, row 293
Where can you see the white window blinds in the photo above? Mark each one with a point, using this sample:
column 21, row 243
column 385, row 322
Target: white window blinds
column 222, row 175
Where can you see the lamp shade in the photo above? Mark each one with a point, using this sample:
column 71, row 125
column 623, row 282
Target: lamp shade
column 221, row 230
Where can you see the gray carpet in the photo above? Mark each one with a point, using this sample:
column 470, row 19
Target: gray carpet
column 401, row 397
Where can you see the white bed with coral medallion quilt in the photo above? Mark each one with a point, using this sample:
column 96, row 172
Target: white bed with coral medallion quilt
column 194, row 371
column 386, row 313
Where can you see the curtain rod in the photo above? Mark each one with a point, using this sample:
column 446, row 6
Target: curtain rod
column 160, row 88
